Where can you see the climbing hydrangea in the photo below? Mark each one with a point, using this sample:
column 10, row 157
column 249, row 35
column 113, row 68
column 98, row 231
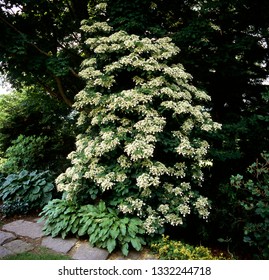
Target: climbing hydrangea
column 142, row 150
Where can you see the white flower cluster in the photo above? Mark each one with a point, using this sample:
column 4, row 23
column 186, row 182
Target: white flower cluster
column 151, row 124
column 176, row 72
column 68, row 181
column 107, row 141
column 97, row 27
column 185, row 148
column 97, row 173
column 144, row 181
column 127, row 100
column 139, row 149
column 153, row 223
column 173, row 219
column 202, row 206
column 133, row 205
column 187, row 126
column 179, row 170
column 184, row 209
column 164, row 208
column 157, row 168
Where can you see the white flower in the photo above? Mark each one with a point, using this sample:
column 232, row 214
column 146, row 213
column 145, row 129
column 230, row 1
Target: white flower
column 202, row 206
column 163, row 208
column 132, row 205
column 173, row 219
column 152, row 223
column 184, row 209
column 151, row 124
column 139, row 149
column 145, row 181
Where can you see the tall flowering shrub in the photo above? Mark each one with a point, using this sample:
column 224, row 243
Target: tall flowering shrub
column 142, row 150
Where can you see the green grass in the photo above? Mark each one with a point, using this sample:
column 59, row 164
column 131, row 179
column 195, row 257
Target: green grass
column 40, row 253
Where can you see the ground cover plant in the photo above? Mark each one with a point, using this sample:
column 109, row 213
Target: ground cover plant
column 40, row 253
column 167, row 249
column 25, row 191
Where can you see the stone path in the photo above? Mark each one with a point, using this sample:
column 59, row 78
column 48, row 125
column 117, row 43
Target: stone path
column 24, row 236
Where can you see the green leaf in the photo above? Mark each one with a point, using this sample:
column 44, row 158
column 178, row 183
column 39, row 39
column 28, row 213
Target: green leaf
column 114, row 232
column 74, row 227
column 221, row 240
column 36, row 190
column 132, row 230
column 136, row 243
column 23, row 174
column 111, row 245
column 9, row 180
column 92, row 228
column 123, row 229
column 82, row 231
column 41, row 182
column 102, row 207
column 49, row 187
column 125, row 249
column 94, row 237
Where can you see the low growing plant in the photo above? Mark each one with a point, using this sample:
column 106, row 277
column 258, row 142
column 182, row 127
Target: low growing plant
column 167, row 249
column 34, row 189
column 11, row 208
column 102, row 225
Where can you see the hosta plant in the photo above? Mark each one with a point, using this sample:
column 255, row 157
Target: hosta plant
column 142, row 148
column 101, row 225
column 26, row 190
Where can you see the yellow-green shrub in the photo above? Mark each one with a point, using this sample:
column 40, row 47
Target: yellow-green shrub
column 167, row 249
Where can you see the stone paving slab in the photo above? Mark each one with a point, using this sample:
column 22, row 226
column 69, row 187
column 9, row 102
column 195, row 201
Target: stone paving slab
column 58, row 244
column 24, row 228
column 4, row 252
column 18, row 246
column 6, row 237
column 87, row 252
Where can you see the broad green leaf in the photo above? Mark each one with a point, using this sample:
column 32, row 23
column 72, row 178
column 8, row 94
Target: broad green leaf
column 123, row 229
column 114, row 232
column 111, row 245
column 92, row 228
column 36, row 190
column 125, row 249
column 94, row 237
column 23, row 174
column 136, row 243
column 102, row 207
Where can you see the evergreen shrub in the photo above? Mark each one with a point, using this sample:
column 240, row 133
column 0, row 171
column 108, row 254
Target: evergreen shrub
column 26, row 152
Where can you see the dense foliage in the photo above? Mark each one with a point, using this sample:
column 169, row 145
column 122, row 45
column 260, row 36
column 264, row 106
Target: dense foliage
column 100, row 224
column 167, row 249
column 252, row 198
column 142, row 150
column 26, row 191
column 36, row 132
column 144, row 127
